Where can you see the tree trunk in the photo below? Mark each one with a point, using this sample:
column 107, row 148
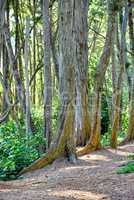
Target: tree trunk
column 47, row 75
column 82, row 108
column 34, row 53
column 130, row 135
column 27, row 95
column 94, row 142
column 116, row 115
column 65, row 142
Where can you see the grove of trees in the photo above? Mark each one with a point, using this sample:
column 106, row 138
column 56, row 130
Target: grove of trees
column 66, row 80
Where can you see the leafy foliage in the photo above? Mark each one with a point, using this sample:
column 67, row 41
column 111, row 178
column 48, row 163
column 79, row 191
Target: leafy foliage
column 106, row 138
column 129, row 168
column 17, row 150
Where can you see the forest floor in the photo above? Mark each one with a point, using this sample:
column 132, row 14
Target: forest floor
column 93, row 177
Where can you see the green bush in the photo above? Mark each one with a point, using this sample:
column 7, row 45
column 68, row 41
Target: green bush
column 129, row 168
column 106, row 138
column 17, row 150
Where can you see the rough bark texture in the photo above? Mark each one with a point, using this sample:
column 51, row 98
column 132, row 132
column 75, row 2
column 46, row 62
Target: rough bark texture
column 131, row 117
column 82, row 109
column 94, row 142
column 27, row 95
column 34, row 52
column 117, row 106
column 65, row 142
column 47, row 75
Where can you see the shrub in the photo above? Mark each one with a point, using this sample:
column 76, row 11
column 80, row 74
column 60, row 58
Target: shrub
column 16, row 150
column 128, row 168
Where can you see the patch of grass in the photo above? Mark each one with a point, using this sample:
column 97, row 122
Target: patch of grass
column 129, row 168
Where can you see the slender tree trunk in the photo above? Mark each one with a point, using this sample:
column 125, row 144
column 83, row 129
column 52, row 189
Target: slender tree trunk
column 5, row 77
column 34, row 53
column 47, row 75
column 130, row 135
column 94, row 142
column 14, row 66
column 18, row 81
column 114, row 67
column 118, row 92
column 5, row 66
column 27, row 95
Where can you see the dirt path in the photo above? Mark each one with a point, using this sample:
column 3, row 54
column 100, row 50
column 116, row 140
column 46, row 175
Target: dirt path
column 92, row 178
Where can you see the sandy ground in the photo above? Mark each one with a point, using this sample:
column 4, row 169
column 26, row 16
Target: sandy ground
column 92, row 178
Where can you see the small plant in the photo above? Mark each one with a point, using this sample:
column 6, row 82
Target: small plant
column 128, row 168
column 131, row 157
column 105, row 140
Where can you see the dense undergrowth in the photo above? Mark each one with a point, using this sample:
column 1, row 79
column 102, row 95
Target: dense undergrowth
column 17, row 150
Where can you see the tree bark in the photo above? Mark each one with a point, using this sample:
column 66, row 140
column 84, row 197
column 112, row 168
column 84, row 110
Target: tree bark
column 82, row 108
column 130, row 135
column 27, row 95
column 118, row 92
column 65, row 142
column 94, row 142
column 47, row 75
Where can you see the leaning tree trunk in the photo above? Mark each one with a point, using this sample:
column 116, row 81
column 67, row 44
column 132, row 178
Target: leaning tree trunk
column 65, row 142
column 47, row 75
column 130, row 135
column 82, row 108
column 94, row 142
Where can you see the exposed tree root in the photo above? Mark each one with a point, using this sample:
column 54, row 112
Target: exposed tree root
column 42, row 162
column 89, row 148
column 86, row 150
column 46, row 160
column 63, row 146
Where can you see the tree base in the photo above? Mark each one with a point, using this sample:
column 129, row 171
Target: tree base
column 89, row 148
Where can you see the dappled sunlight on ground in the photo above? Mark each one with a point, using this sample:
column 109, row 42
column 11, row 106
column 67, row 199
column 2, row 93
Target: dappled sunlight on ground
column 93, row 177
column 81, row 195
column 95, row 157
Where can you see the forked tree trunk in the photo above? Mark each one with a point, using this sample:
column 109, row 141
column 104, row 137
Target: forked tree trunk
column 65, row 143
column 117, row 106
column 82, row 108
column 94, row 142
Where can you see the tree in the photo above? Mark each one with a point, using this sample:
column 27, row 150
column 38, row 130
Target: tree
column 130, row 135
column 65, row 142
column 94, row 142
column 47, row 74
column 117, row 103
column 27, row 95
column 83, row 122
